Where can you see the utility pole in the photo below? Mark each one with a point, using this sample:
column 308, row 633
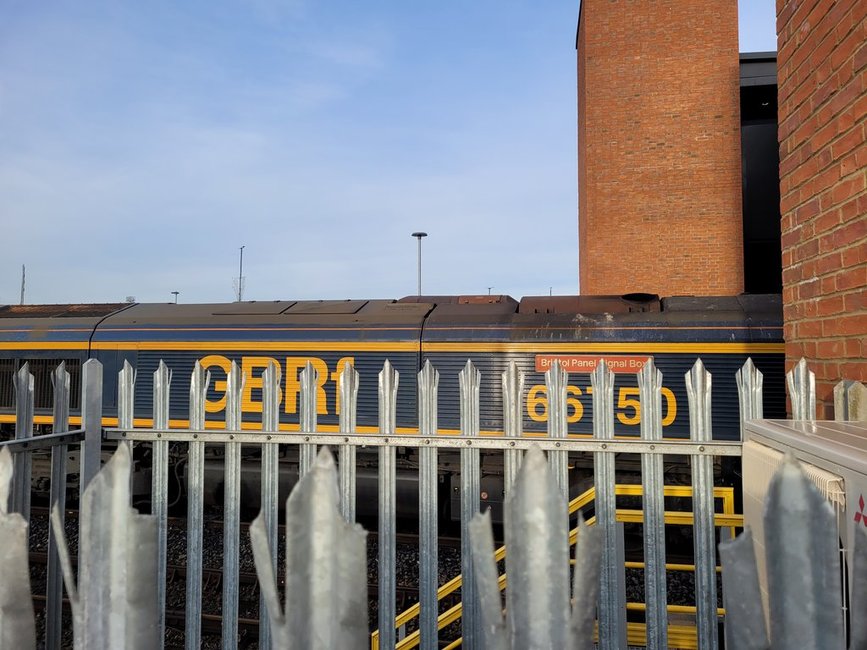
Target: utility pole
column 22, row 283
column 175, row 294
column 241, row 276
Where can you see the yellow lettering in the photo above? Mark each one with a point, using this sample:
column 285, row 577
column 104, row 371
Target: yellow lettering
column 575, row 403
column 626, row 400
column 253, row 380
column 671, row 407
column 216, row 361
column 536, row 398
column 294, row 365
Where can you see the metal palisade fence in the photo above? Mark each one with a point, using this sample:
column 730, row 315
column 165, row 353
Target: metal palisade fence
column 326, row 539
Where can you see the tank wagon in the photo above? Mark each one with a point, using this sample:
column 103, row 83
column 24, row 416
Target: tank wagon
column 447, row 330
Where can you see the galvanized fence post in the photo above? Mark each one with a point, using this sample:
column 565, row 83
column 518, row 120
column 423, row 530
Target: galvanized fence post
column 428, row 381
column 470, row 380
column 798, row 587
column 23, row 382
column 326, row 568
column 307, row 453
column 495, row 635
column 556, row 380
column 537, row 537
column 160, row 484
column 655, row 591
column 195, row 496
column 745, row 621
column 513, row 420
column 17, row 621
column 612, row 611
column 802, row 391
column 348, row 399
column 57, row 496
column 749, row 381
column 850, row 401
column 114, row 602
column 270, row 484
column 804, row 596
column 232, row 509
column 698, row 390
column 388, row 383
column 585, row 585
column 91, row 420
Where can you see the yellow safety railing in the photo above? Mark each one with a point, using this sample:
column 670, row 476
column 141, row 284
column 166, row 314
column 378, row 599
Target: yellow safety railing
column 679, row 636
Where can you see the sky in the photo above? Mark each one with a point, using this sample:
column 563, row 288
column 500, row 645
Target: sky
column 143, row 143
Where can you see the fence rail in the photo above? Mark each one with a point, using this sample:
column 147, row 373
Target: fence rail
column 478, row 612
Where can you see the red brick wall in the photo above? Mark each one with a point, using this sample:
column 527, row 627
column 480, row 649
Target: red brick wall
column 659, row 187
column 822, row 85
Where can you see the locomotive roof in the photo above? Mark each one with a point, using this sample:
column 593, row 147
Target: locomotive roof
column 299, row 312
column 408, row 311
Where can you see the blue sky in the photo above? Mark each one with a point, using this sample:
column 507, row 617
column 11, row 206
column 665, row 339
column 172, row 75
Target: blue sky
column 142, row 143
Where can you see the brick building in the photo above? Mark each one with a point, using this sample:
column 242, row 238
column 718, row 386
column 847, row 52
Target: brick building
column 659, row 152
column 822, row 79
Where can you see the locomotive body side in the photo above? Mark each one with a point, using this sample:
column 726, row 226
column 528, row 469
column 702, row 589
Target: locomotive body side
column 447, row 331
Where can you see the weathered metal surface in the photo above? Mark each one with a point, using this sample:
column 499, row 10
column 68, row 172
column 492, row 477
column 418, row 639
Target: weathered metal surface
column 802, row 391
column 348, row 395
column 470, row 380
column 698, row 390
column 270, row 476
column 232, row 509
column 655, row 591
column 195, row 499
column 388, row 383
column 749, row 381
column 326, row 568
column 745, row 620
column 556, row 381
column 20, row 498
column 17, row 621
column 57, row 497
column 612, row 609
column 114, row 604
column 513, row 420
column 428, row 382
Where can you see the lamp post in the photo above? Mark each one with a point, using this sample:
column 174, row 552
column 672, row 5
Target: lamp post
column 175, row 294
column 419, row 235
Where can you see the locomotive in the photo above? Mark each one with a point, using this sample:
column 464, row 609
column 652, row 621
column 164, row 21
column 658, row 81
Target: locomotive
column 492, row 331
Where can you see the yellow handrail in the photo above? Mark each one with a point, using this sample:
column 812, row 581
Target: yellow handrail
column 686, row 635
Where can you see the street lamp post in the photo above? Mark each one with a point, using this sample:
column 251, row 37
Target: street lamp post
column 419, row 235
column 175, row 294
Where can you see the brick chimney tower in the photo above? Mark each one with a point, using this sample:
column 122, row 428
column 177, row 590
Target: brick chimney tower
column 659, row 156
